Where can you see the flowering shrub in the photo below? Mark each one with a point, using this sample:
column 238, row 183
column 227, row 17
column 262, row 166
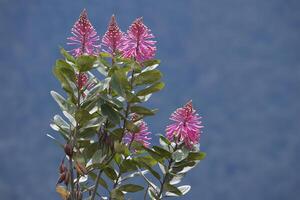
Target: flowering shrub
column 106, row 140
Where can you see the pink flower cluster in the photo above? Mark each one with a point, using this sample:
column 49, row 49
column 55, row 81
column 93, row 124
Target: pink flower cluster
column 84, row 38
column 82, row 80
column 142, row 136
column 137, row 43
column 186, row 127
column 113, row 38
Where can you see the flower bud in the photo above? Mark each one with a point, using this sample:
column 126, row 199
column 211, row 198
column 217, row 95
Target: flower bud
column 61, row 178
column 81, row 169
column 62, row 168
column 68, row 150
column 67, row 177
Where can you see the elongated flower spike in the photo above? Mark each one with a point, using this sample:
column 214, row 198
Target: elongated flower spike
column 142, row 136
column 138, row 42
column 85, row 38
column 82, row 80
column 112, row 39
column 186, row 127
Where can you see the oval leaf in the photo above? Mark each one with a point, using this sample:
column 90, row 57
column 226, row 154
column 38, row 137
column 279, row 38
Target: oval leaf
column 131, row 188
column 151, row 89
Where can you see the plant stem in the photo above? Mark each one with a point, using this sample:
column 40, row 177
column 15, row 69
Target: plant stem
column 127, row 107
column 96, row 184
column 117, row 181
column 98, row 177
column 72, row 179
column 113, row 154
column 123, row 132
column 166, row 175
column 145, row 195
column 74, row 144
column 165, row 178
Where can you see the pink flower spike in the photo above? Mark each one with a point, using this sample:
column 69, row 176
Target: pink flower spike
column 112, row 39
column 82, row 79
column 142, row 136
column 138, row 42
column 186, row 127
column 85, row 38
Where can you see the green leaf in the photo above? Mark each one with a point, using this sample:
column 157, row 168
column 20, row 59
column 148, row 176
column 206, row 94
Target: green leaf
column 151, row 89
column 152, row 193
column 82, row 116
column 66, row 69
column 151, row 170
column 132, row 98
column 171, row 188
column 117, row 194
column 163, row 168
column 90, row 150
column 117, row 134
column 88, row 133
column 59, row 121
column 117, row 103
column 110, row 113
column 67, row 55
column 70, row 118
column 119, row 147
column 165, row 140
column 66, row 75
column 176, row 179
column 183, row 190
column 101, row 180
column 146, row 159
column 102, row 66
column 148, row 77
column 180, row 155
column 119, row 82
column 82, row 143
column 98, row 157
column 131, row 188
column 64, row 132
column 118, row 158
column 196, row 156
column 134, row 174
column 85, row 63
column 60, row 125
column 111, row 173
column 130, row 126
column 62, row 102
column 148, row 63
column 137, row 146
column 154, row 155
column 127, row 166
column 95, row 122
column 162, row 152
column 141, row 110
column 135, row 66
column 183, row 167
column 165, row 143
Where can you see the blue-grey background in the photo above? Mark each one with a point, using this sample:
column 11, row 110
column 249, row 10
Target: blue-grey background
column 239, row 60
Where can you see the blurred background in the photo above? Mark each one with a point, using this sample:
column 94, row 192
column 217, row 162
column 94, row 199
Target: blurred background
column 238, row 60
